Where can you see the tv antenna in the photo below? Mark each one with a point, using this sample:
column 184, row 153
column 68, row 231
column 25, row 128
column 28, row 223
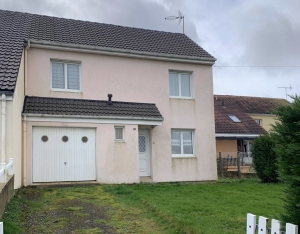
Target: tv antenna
column 286, row 88
column 180, row 18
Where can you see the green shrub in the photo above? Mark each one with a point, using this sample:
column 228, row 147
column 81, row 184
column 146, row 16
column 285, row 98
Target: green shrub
column 287, row 132
column 264, row 159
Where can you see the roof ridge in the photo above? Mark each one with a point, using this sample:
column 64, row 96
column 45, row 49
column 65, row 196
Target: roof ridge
column 114, row 25
column 217, row 95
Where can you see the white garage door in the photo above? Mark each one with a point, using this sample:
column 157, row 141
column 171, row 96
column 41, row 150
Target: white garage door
column 63, row 154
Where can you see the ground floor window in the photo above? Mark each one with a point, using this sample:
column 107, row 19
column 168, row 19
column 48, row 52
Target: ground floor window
column 182, row 142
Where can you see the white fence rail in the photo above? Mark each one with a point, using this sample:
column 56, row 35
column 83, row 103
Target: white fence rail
column 6, row 169
column 262, row 227
column 1, row 228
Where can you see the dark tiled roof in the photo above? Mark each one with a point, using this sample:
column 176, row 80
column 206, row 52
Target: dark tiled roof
column 72, row 107
column 224, row 124
column 255, row 105
column 15, row 27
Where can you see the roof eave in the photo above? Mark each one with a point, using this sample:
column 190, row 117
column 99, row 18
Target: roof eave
column 119, row 52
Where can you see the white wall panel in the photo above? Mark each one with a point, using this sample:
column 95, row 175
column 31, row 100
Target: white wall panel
column 56, row 160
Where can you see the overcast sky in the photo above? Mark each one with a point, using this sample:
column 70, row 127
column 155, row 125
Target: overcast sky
column 245, row 33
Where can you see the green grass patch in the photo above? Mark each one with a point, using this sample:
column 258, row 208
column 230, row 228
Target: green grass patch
column 88, row 230
column 219, row 207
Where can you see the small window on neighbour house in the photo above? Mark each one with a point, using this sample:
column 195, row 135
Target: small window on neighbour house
column 180, row 84
column 65, row 76
column 182, row 143
column 119, row 133
column 259, row 121
column 234, row 118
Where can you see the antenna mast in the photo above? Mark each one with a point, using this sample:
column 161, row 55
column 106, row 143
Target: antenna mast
column 180, row 18
column 290, row 88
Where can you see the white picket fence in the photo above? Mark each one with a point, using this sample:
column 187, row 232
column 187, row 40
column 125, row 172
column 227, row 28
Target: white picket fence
column 4, row 168
column 262, row 227
column 1, row 228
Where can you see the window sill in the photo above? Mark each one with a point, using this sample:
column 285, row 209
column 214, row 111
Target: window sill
column 183, row 156
column 186, row 98
column 66, row 90
column 119, row 141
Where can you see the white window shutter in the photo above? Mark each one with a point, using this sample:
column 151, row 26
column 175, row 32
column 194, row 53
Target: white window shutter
column 185, row 85
column 174, row 84
column 73, row 76
column 58, row 78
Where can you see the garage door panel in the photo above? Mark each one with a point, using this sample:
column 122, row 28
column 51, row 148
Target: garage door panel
column 59, row 160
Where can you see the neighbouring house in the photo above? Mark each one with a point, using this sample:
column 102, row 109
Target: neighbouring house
column 241, row 119
column 97, row 102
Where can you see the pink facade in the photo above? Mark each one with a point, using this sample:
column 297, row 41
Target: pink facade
column 133, row 80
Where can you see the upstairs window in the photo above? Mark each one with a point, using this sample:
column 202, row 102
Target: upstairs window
column 65, row 76
column 180, row 84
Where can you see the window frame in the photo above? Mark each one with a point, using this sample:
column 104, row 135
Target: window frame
column 259, row 122
column 65, row 63
column 123, row 134
column 181, row 143
column 179, row 73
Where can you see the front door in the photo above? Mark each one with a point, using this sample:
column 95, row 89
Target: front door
column 144, row 153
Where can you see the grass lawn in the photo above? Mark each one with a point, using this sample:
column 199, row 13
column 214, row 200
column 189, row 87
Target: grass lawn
column 219, row 207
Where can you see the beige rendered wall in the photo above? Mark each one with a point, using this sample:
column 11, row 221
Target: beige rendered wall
column 267, row 120
column 226, row 146
column 140, row 80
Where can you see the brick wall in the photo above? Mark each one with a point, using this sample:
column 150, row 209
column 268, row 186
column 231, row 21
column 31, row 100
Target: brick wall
column 6, row 193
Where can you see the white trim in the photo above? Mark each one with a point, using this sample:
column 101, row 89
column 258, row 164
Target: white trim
column 121, row 52
column 98, row 120
column 236, row 135
column 65, row 63
column 8, row 98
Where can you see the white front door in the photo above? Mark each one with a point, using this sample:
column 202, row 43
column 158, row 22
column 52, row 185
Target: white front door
column 63, row 154
column 144, row 152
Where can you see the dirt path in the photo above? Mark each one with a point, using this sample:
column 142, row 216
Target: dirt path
column 80, row 210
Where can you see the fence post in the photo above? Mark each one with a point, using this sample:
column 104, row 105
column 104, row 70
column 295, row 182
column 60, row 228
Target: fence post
column 239, row 165
column 251, row 223
column 291, row 229
column 1, row 228
column 3, row 177
column 275, row 226
column 262, row 225
column 220, row 164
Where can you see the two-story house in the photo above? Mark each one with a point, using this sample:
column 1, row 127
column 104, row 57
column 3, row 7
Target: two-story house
column 97, row 102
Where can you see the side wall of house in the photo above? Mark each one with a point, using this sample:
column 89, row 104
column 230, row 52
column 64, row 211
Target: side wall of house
column 141, row 80
column 267, row 120
column 226, row 146
column 13, row 141
column 17, row 124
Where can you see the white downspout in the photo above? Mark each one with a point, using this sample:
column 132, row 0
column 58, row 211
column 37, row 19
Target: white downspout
column 3, row 127
column 24, row 118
